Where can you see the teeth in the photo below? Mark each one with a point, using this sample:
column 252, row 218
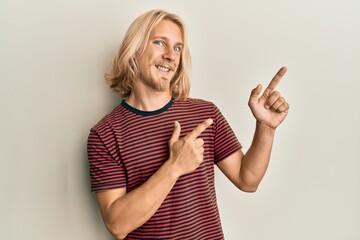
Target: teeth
column 162, row 68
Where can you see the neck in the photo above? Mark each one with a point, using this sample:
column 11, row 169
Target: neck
column 148, row 101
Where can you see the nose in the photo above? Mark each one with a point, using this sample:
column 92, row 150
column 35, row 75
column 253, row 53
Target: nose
column 169, row 54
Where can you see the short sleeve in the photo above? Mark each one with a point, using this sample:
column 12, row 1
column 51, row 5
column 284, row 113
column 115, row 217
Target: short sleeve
column 226, row 142
column 106, row 170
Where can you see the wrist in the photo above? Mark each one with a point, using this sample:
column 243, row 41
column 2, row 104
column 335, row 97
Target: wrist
column 171, row 169
column 265, row 128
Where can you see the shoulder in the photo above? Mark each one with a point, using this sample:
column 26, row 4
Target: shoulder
column 106, row 123
column 197, row 102
column 196, row 105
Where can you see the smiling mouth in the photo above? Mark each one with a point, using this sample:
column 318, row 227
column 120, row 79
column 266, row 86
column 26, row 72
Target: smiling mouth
column 163, row 68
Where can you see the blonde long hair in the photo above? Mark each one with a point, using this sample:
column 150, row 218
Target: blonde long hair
column 124, row 67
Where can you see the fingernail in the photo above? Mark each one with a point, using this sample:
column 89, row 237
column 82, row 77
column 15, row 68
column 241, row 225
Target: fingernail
column 210, row 120
column 267, row 106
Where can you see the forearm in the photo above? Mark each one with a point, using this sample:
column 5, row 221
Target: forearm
column 136, row 207
column 256, row 160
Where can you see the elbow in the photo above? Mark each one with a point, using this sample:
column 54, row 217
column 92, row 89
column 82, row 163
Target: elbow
column 120, row 236
column 115, row 225
column 248, row 189
column 248, row 182
column 118, row 233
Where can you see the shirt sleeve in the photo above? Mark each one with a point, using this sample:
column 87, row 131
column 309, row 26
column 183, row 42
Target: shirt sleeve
column 226, row 142
column 106, row 169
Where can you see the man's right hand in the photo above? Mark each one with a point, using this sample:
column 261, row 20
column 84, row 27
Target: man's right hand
column 186, row 154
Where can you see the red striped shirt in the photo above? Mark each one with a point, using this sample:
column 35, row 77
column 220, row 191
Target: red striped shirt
column 128, row 145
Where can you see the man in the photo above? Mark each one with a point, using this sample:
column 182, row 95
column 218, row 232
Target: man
column 152, row 158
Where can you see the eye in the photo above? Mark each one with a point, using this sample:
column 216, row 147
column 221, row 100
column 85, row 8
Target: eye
column 177, row 49
column 159, row 43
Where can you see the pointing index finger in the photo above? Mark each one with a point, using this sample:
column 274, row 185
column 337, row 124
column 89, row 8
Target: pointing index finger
column 276, row 79
column 199, row 129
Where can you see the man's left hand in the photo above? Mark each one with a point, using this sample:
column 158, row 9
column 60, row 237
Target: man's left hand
column 270, row 108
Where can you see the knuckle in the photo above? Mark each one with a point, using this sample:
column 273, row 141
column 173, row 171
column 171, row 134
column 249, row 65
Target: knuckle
column 281, row 107
column 276, row 94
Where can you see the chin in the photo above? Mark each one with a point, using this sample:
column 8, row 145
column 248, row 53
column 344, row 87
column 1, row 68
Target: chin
column 160, row 86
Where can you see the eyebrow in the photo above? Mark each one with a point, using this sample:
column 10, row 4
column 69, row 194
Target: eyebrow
column 166, row 39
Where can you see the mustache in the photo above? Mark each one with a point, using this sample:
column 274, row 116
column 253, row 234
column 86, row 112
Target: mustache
column 164, row 64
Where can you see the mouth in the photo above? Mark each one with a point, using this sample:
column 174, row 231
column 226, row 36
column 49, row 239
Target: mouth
column 163, row 68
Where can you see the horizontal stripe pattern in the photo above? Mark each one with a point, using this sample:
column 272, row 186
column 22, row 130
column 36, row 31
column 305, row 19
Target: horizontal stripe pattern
column 127, row 147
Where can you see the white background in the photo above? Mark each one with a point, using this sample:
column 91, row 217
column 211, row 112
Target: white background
column 52, row 60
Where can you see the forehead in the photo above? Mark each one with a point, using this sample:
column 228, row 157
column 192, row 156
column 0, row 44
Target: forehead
column 167, row 29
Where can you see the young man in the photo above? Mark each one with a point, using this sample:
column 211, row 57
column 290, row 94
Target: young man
column 152, row 158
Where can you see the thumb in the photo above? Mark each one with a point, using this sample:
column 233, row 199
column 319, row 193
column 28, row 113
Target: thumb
column 255, row 93
column 176, row 133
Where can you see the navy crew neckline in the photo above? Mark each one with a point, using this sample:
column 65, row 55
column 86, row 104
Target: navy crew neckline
column 147, row 113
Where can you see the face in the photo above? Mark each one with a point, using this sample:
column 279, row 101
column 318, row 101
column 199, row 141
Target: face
column 160, row 60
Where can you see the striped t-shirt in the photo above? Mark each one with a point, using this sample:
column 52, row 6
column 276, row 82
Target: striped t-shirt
column 128, row 145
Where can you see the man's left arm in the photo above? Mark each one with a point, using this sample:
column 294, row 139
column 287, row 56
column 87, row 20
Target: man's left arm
column 269, row 109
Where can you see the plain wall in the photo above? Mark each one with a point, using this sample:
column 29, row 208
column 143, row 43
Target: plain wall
column 52, row 61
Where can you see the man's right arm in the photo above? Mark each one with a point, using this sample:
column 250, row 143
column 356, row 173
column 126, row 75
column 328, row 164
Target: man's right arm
column 124, row 212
